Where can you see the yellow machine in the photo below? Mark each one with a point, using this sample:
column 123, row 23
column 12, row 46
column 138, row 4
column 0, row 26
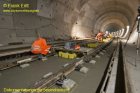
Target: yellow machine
column 67, row 55
column 92, row 45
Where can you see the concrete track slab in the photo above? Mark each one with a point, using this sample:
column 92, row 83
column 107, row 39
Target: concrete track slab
column 23, row 78
column 88, row 83
column 132, row 62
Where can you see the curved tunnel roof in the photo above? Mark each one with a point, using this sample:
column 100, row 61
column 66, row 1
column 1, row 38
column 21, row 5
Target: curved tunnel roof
column 110, row 15
column 69, row 18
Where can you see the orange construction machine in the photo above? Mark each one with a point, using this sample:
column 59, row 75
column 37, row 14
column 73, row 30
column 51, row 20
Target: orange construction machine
column 40, row 46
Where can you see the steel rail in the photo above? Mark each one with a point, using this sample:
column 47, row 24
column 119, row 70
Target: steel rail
column 47, row 82
column 7, row 65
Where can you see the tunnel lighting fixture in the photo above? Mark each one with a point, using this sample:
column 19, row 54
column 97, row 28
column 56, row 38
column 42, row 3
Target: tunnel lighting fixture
column 133, row 37
column 77, row 32
column 117, row 34
column 122, row 32
column 107, row 32
column 128, row 27
column 127, row 30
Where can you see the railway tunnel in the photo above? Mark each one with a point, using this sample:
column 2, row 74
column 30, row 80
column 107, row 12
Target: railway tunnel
column 107, row 66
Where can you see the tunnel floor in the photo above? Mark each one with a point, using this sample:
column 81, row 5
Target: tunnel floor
column 85, row 83
column 24, row 77
column 132, row 65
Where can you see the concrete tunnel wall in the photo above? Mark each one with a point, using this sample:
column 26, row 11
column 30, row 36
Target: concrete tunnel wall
column 62, row 19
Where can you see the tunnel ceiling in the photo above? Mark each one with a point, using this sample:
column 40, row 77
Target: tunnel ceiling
column 120, row 13
column 87, row 17
column 63, row 19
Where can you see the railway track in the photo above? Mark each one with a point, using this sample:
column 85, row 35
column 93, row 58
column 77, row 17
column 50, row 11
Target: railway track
column 18, row 56
column 65, row 71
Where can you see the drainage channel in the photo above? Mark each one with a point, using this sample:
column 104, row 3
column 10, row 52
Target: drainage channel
column 113, row 80
column 120, row 81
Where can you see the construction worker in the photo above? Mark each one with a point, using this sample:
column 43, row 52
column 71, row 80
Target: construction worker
column 40, row 46
column 99, row 36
